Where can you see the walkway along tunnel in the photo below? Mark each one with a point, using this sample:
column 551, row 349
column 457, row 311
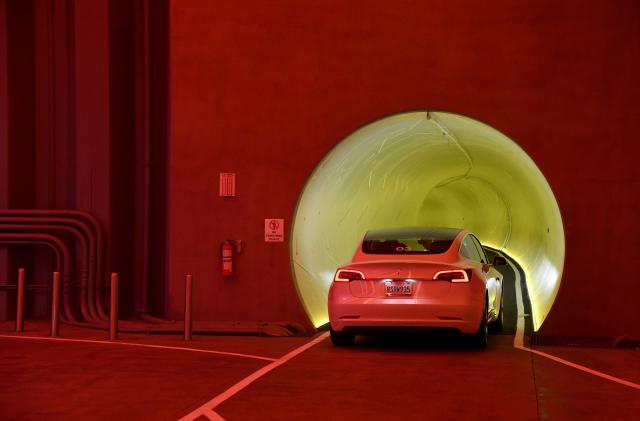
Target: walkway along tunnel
column 427, row 169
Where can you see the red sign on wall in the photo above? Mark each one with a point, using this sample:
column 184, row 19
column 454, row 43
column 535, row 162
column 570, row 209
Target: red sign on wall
column 227, row 184
column 274, row 230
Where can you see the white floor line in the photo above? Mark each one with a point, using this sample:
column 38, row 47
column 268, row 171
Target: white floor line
column 518, row 341
column 213, row 415
column 174, row 348
column 207, row 408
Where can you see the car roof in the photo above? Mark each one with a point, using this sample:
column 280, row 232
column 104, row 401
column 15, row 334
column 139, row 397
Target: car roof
column 439, row 233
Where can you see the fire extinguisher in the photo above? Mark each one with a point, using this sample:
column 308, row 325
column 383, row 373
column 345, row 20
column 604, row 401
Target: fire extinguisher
column 226, row 255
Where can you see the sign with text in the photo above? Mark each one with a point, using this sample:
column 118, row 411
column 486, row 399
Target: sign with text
column 274, row 230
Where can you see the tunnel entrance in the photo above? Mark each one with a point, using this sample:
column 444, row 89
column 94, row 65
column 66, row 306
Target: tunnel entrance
column 427, row 169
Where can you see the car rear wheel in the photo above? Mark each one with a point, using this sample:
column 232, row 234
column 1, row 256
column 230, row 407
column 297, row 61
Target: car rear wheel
column 479, row 339
column 341, row 338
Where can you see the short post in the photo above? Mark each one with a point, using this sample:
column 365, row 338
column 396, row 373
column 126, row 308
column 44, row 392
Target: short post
column 113, row 313
column 20, row 303
column 55, row 305
column 188, row 288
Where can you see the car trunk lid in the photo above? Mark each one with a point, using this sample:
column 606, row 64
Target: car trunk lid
column 394, row 279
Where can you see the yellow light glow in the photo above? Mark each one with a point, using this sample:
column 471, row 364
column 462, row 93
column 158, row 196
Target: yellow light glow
column 428, row 169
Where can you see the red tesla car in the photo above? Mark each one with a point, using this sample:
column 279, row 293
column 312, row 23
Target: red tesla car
column 409, row 279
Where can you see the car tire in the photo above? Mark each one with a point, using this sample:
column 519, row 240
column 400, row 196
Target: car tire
column 341, row 338
column 479, row 339
column 497, row 324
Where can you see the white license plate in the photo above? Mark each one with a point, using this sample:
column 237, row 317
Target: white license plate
column 393, row 288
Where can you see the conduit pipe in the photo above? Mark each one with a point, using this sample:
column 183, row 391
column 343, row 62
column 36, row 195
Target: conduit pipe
column 188, row 302
column 56, row 252
column 92, row 231
column 93, row 234
column 93, row 240
column 71, row 223
column 62, row 249
column 20, row 302
column 87, row 308
column 113, row 309
column 55, row 305
column 144, row 163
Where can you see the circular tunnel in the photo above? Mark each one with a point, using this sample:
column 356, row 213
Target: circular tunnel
column 427, row 169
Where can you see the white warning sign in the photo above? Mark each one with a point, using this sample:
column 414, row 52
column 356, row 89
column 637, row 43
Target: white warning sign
column 273, row 230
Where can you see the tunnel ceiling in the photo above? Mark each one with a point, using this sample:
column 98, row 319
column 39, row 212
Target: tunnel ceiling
column 427, row 169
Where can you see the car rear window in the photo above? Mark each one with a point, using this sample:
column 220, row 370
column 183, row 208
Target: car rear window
column 407, row 242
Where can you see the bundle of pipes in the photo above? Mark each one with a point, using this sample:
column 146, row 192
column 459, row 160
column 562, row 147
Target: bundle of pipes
column 51, row 228
column 43, row 227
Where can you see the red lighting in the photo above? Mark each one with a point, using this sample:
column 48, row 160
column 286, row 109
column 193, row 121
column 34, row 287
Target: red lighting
column 348, row 275
column 452, row 276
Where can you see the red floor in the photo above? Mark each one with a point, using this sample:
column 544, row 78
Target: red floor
column 379, row 378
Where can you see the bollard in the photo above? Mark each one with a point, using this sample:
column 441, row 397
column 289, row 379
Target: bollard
column 113, row 313
column 20, row 302
column 188, row 288
column 55, row 305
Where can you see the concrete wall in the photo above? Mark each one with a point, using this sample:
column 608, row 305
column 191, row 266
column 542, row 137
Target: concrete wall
column 266, row 89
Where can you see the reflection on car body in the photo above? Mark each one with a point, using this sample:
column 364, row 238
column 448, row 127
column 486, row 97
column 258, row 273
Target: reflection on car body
column 414, row 279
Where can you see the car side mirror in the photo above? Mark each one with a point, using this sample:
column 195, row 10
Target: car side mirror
column 499, row 261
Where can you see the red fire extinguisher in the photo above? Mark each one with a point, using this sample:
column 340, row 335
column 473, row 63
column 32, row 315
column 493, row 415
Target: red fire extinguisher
column 226, row 254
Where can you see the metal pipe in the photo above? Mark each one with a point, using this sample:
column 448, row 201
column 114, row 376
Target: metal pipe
column 144, row 163
column 54, row 242
column 99, row 271
column 20, row 302
column 87, row 308
column 56, row 252
column 55, row 305
column 93, row 231
column 113, row 321
column 46, row 286
column 188, row 288
column 93, row 240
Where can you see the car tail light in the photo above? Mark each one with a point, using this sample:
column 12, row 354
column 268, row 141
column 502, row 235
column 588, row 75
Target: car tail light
column 457, row 275
column 348, row 275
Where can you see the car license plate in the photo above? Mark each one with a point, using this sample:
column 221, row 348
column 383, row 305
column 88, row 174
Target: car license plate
column 395, row 288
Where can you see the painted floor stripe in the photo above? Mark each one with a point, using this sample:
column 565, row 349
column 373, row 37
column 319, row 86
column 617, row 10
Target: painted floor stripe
column 174, row 348
column 208, row 407
column 581, row 367
column 212, row 415
column 518, row 341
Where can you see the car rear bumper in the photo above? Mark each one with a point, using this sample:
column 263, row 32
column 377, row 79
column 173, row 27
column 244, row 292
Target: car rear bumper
column 359, row 315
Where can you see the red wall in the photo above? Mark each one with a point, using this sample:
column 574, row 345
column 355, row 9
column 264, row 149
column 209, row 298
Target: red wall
column 265, row 89
column 82, row 91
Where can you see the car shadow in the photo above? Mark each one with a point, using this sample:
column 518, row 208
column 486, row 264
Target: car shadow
column 415, row 341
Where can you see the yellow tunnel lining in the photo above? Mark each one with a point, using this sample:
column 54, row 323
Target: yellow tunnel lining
column 427, row 169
